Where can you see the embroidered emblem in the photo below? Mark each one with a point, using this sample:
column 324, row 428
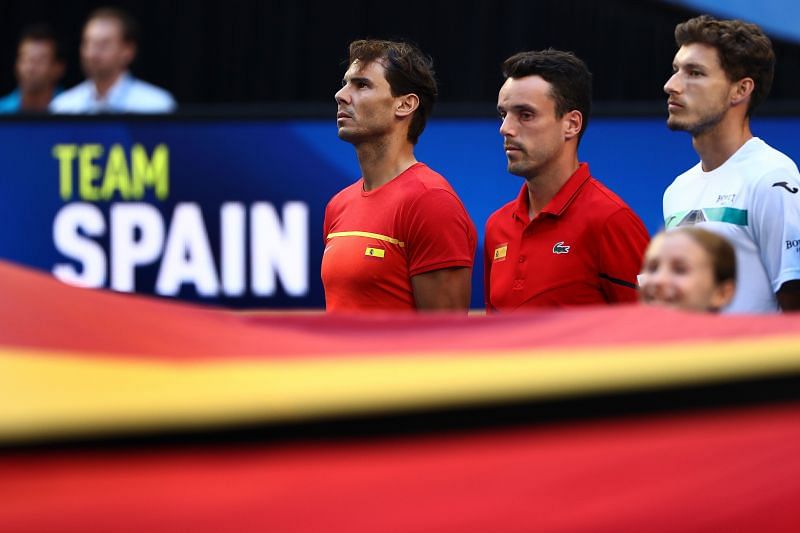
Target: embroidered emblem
column 500, row 252
column 375, row 252
column 560, row 248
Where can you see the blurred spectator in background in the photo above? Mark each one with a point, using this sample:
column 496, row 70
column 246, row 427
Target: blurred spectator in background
column 38, row 68
column 108, row 47
column 688, row 268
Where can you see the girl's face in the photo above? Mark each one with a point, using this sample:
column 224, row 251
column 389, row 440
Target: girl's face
column 678, row 272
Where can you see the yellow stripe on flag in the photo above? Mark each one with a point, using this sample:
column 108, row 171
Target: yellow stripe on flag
column 50, row 393
column 375, row 252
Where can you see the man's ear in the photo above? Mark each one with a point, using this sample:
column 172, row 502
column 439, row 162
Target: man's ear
column 572, row 122
column 741, row 91
column 406, row 105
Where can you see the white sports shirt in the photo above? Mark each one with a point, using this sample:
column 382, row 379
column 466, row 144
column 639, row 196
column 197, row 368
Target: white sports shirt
column 753, row 200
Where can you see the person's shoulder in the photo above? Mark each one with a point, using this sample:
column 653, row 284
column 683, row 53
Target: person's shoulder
column 346, row 194
column 503, row 212
column 684, row 178
column 606, row 205
column 421, row 177
column 764, row 162
column 10, row 102
column 604, row 198
column 72, row 100
column 147, row 97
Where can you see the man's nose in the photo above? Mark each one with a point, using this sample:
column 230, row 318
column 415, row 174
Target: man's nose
column 673, row 85
column 505, row 127
column 341, row 96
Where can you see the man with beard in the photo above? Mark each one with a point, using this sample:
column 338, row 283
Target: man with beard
column 107, row 49
column 742, row 189
column 566, row 240
column 398, row 238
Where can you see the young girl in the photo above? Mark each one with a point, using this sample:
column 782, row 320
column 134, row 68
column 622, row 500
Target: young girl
column 688, row 268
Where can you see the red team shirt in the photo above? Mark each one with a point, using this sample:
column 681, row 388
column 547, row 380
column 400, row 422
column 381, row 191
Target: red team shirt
column 376, row 241
column 585, row 247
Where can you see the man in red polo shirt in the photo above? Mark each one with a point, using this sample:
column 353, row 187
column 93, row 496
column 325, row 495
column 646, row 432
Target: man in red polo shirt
column 566, row 240
column 398, row 238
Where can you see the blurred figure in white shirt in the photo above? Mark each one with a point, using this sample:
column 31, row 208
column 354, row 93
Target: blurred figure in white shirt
column 107, row 49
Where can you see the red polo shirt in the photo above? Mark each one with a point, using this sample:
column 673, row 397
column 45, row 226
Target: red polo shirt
column 584, row 247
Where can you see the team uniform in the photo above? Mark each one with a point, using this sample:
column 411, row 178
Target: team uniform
column 127, row 95
column 752, row 200
column 585, row 247
column 376, row 241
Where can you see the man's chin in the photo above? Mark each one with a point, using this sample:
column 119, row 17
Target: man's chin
column 517, row 169
column 347, row 135
column 677, row 125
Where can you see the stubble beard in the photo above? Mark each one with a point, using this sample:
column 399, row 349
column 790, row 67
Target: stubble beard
column 524, row 168
column 520, row 167
column 349, row 136
column 699, row 127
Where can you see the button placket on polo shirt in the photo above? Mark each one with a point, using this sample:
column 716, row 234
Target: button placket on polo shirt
column 520, row 268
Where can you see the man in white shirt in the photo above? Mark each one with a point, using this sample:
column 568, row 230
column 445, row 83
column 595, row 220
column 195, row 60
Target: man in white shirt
column 107, row 49
column 742, row 188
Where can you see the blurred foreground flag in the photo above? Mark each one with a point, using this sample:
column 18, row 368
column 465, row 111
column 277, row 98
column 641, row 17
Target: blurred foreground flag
column 125, row 413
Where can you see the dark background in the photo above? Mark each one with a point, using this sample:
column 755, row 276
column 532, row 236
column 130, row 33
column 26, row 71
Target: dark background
column 212, row 52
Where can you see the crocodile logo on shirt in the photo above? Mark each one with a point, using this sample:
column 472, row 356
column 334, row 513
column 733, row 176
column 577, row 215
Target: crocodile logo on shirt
column 560, row 248
column 785, row 185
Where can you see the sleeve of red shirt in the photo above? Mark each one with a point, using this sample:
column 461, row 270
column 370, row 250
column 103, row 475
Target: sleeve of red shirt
column 440, row 233
column 622, row 245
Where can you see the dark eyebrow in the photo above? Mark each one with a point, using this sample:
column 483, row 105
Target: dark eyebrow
column 524, row 107
column 518, row 108
column 357, row 79
column 692, row 66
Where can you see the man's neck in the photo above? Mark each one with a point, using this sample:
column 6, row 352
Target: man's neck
column 545, row 185
column 382, row 160
column 36, row 100
column 104, row 85
column 718, row 144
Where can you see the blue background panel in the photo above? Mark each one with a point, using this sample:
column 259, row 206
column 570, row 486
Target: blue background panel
column 282, row 161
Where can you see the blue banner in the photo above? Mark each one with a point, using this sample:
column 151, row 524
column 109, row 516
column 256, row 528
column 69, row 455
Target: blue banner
column 230, row 212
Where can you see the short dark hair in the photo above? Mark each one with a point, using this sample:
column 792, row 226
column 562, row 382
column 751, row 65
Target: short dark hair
column 42, row 32
column 129, row 25
column 408, row 71
column 567, row 74
column 744, row 50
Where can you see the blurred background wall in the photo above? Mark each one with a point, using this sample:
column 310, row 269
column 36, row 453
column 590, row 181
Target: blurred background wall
column 208, row 51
